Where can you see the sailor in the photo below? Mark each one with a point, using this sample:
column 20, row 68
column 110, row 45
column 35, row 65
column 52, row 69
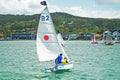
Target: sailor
column 64, row 61
column 58, row 60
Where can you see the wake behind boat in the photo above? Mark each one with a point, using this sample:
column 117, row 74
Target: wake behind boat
column 48, row 45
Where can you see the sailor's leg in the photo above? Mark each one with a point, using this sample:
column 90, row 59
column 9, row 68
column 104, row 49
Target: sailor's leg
column 56, row 66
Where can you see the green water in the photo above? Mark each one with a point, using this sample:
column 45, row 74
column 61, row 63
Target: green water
column 19, row 61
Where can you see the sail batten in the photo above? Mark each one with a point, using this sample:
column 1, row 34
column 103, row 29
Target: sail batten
column 47, row 33
column 46, row 23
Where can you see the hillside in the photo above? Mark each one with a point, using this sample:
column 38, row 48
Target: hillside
column 64, row 22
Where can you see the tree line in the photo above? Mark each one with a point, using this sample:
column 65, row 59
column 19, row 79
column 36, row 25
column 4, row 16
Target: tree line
column 65, row 23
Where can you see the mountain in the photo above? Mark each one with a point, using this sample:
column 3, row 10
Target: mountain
column 64, row 22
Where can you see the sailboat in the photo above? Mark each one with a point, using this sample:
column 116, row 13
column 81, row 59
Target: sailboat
column 107, row 38
column 48, row 45
column 117, row 40
column 93, row 39
column 116, row 36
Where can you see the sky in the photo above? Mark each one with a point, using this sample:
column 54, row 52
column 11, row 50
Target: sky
column 82, row 8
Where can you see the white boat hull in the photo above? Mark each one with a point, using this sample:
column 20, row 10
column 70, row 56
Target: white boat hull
column 59, row 68
column 65, row 66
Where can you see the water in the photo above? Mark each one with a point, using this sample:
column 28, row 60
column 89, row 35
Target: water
column 19, row 61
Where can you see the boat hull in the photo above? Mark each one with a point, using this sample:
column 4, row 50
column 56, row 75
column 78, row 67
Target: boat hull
column 117, row 41
column 61, row 67
column 94, row 42
column 65, row 66
column 108, row 43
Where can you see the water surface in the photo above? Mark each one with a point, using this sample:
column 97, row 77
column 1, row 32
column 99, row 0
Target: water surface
column 19, row 61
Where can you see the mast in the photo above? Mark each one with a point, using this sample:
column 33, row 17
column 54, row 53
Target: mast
column 60, row 46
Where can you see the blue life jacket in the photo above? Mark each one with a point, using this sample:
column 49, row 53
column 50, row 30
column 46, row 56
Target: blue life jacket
column 58, row 59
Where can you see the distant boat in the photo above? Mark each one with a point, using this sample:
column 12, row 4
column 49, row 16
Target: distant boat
column 93, row 40
column 108, row 41
column 117, row 40
column 48, row 45
column 116, row 35
column 107, row 38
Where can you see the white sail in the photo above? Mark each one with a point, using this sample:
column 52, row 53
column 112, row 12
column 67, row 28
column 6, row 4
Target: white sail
column 60, row 39
column 48, row 46
column 93, row 39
